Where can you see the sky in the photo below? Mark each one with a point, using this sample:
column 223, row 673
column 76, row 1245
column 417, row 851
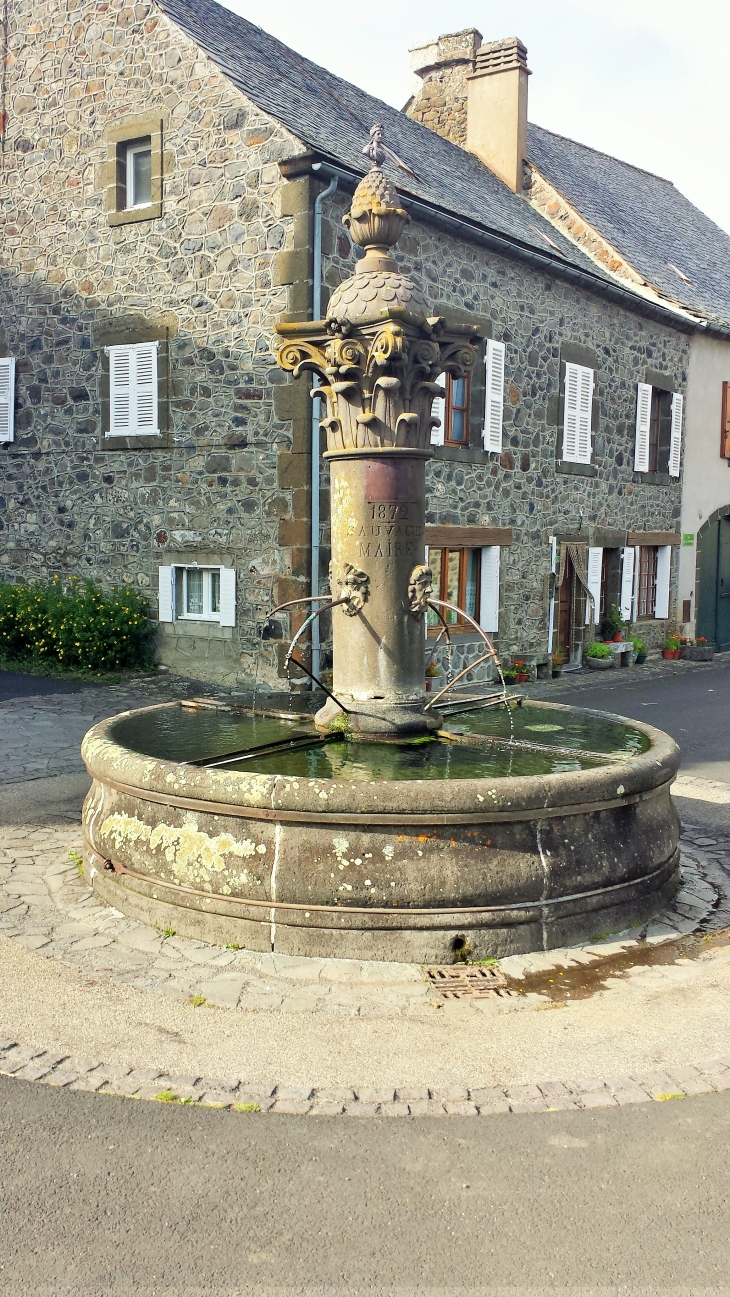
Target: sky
column 644, row 80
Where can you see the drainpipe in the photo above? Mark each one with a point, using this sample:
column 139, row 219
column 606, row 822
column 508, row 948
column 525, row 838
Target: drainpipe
column 316, row 315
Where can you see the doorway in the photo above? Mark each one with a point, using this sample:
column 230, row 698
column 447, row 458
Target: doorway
column 713, row 561
column 571, row 614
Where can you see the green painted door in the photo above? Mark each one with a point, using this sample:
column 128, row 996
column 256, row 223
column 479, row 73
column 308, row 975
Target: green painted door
column 713, row 611
column 723, row 585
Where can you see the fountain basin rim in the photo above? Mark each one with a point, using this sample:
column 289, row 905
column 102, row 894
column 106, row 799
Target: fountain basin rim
column 271, row 796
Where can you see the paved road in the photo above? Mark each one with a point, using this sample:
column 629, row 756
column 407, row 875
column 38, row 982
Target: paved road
column 694, row 708
column 110, row 1197
column 15, row 684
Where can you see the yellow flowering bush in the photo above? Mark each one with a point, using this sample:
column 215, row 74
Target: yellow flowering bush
column 74, row 623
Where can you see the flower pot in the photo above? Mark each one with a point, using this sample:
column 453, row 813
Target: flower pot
column 557, row 671
column 599, row 664
column 640, row 659
column 616, row 639
column 521, row 677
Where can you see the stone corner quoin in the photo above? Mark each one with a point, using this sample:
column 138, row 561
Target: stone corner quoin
column 224, row 256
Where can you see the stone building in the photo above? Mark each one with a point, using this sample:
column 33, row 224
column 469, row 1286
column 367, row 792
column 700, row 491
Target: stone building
column 174, row 185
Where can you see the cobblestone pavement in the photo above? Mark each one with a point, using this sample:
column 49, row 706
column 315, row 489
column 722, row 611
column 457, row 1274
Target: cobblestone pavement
column 53, row 1067
column 47, row 907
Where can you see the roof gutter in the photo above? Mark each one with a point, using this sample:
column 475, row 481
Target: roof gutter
column 541, row 260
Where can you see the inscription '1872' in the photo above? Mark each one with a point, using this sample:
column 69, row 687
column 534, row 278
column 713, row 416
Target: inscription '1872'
column 390, row 534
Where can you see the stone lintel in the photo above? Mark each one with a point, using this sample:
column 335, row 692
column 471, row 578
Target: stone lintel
column 467, row 537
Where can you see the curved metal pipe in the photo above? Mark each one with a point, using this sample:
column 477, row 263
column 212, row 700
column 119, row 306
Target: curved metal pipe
column 472, row 666
column 334, row 603
column 308, row 598
column 466, row 617
column 491, row 654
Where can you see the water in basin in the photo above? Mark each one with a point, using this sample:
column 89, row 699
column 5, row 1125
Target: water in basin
column 177, row 734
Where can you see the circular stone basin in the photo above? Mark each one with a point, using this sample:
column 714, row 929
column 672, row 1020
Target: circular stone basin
column 513, row 831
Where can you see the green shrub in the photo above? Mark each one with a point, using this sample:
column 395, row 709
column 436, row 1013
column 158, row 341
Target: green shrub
column 598, row 650
column 76, row 624
column 639, row 645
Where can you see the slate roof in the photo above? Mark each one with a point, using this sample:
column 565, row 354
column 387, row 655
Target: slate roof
column 334, row 118
column 645, row 218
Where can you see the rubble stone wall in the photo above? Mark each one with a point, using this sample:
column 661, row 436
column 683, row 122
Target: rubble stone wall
column 539, row 318
column 208, row 278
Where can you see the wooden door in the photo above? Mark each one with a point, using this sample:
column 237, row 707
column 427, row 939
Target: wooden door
column 565, row 610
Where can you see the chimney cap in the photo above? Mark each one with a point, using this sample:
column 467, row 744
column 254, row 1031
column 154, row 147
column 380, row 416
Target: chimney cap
column 452, row 47
column 501, row 56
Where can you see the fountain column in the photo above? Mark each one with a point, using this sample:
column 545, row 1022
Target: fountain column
column 378, row 354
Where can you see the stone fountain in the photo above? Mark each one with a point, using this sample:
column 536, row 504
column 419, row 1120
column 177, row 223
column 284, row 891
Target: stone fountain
column 381, row 828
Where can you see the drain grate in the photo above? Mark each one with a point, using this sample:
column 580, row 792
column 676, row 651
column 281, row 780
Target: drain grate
column 460, row 982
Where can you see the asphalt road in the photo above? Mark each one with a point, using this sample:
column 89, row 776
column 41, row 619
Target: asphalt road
column 693, row 708
column 116, row 1198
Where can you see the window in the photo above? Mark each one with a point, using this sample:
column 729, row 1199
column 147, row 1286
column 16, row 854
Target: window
column 132, row 173
column 452, row 412
column 133, row 390
column 196, row 593
column 200, row 593
column 646, row 582
column 137, row 173
column 654, row 420
column 578, row 409
column 7, row 398
column 456, row 578
column 725, row 425
column 658, row 444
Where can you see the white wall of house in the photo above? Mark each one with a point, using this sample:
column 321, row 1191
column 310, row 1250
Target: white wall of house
column 706, row 476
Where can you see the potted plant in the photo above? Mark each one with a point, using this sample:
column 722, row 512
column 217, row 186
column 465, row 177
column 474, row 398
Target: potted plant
column 521, row 672
column 599, row 656
column 612, row 626
column 557, row 663
column 671, row 647
column 509, row 674
column 699, row 651
column 433, row 670
column 639, row 651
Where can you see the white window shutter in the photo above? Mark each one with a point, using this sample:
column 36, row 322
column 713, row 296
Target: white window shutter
column 663, row 569
column 675, row 444
column 438, row 411
column 7, row 398
column 121, row 378
column 577, row 414
column 145, row 388
column 167, row 593
column 489, row 589
column 627, row 583
column 133, row 390
column 643, row 419
column 228, row 596
column 494, row 409
column 595, row 567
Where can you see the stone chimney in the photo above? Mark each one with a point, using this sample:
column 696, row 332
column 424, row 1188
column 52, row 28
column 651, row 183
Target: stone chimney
column 496, row 117
column 444, row 66
column 475, row 95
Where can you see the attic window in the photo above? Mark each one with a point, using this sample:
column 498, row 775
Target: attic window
column 679, row 273
column 547, row 239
